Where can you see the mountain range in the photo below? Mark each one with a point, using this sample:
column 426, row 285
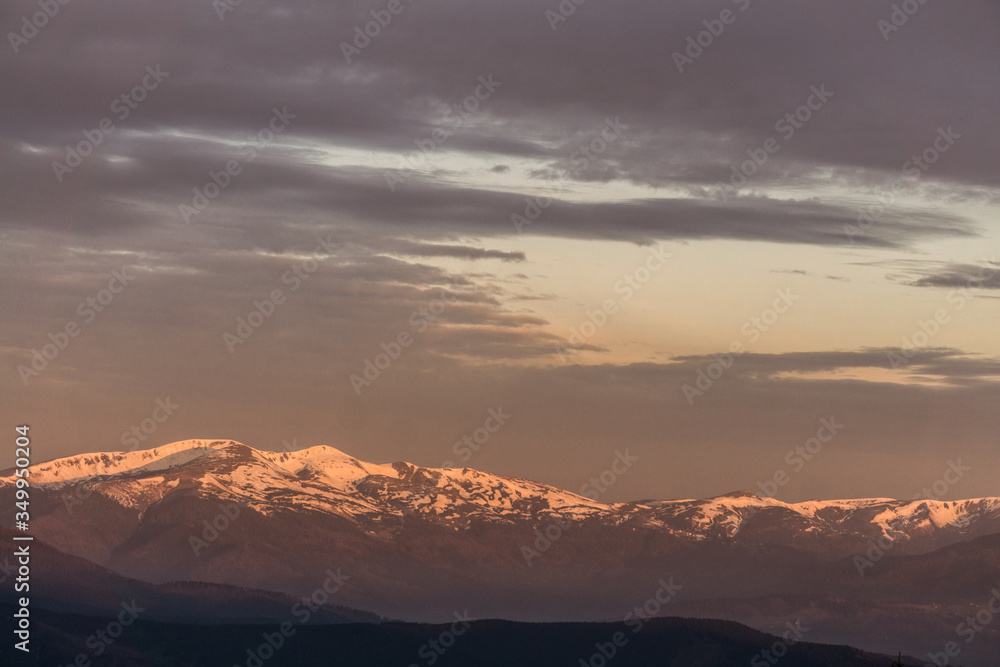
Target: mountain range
column 422, row 544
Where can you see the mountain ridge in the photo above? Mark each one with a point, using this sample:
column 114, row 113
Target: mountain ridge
column 419, row 543
column 325, row 479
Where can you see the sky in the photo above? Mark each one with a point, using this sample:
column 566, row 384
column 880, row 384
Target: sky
column 731, row 242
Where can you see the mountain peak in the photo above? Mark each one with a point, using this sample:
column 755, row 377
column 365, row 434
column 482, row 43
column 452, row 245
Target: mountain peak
column 72, row 469
column 741, row 494
column 329, row 481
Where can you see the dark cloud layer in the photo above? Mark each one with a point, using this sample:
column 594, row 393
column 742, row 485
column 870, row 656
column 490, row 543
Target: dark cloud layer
column 556, row 89
column 985, row 276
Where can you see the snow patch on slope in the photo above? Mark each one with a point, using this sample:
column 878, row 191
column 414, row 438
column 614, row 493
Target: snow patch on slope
column 325, row 479
column 332, row 465
column 74, row 469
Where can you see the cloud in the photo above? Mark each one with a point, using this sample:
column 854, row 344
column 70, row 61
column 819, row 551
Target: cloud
column 440, row 250
column 947, row 364
column 685, row 129
column 936, row 273
column 803, row 272
column 971, row 276
column 402, row 108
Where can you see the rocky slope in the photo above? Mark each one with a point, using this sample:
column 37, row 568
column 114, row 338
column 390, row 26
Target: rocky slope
column 420, row 543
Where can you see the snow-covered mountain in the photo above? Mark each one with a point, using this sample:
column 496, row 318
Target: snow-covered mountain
column 318, row 479
column 327, row 481
column 422, row 543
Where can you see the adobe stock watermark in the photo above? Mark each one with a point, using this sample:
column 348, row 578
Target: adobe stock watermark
column 455, row 116
column 220, row 523
column 928, row 329
column 877, row 549
column 900, row 15
column 75, row 495
column 626, row 288
column 310, row 604
column 969, row 628
column 635, row 620
column 292, row 446
column 104, row 637
column 796, row 458
column 752, row 329
column 562, row 12
column 911, row 171
column 786, row 126
column 223, row 7
column 432, row 651
column 472, row 443
column 220, row 180
column 959, row 297
column 122, row 107
column 545, row 538
column 381, row 18
column 800, row 454
column 600, row 483
column 31, row 25
column 581, row 160
column 263, row 309
column 779, row 649
column 420, row 320
column 163, row 409
column 952, row 475
column 88, row 310
column 714, row 28
column 302, row 611
column 594, row 489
